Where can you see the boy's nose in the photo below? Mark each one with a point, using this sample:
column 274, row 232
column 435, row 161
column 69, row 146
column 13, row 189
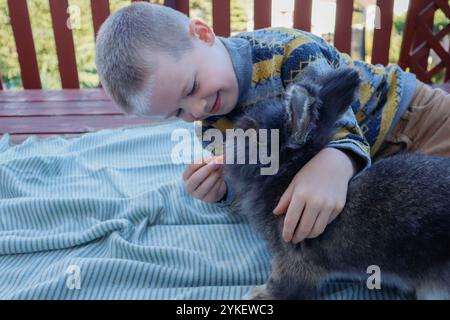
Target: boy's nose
column 198, row 110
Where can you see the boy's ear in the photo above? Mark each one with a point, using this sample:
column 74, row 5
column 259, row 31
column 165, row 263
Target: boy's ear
column 202, row 31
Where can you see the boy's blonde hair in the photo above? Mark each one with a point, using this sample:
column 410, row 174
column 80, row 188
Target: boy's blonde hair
column 125, row 45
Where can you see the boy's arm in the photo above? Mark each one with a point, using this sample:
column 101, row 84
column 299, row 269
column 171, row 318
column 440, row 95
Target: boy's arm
column 318, row 192
column 313, row 55
column 350, row 140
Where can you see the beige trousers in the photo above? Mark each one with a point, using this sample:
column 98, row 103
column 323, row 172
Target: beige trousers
column 424, row 127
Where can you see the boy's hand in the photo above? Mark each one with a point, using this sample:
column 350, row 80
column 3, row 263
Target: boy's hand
column 316, row 195
column 205, row 180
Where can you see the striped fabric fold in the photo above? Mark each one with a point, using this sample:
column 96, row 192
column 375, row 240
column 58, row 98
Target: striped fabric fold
column 105, row 216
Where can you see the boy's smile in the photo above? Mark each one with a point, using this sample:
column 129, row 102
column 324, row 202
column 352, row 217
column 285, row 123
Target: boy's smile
column 216, row 107
column 201, row 84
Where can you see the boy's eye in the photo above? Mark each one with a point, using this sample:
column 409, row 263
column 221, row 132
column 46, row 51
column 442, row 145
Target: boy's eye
column 194, row 88
column 178, row 112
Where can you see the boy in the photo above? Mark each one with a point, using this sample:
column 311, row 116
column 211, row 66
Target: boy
column 153, row 60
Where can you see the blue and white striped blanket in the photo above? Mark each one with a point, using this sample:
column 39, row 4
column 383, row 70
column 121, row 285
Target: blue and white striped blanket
column 105, row 216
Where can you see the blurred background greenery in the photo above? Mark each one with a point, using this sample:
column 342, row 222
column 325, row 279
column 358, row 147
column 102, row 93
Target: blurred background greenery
column 241, row 17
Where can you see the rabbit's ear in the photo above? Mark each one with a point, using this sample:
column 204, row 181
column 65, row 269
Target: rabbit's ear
column 247, row 122
column 301, row 109
column 338, row 92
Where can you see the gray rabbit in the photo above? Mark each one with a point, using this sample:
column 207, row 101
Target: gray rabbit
column 397, row 213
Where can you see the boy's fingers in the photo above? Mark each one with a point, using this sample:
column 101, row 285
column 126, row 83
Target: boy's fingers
column 319, row 225
column 214, row 194
column 285, row 199
column 306, row 223
column 333, row 216
column 199, row 176
column 293, row 215
column 206, row 185
column 191, row 168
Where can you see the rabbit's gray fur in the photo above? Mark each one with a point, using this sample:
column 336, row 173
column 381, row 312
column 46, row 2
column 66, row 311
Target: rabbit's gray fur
column 397, row 213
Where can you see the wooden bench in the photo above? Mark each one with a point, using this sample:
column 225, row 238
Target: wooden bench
column 73, row 111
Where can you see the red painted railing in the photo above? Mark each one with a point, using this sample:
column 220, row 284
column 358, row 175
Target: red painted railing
column 419, row 39
column 21, row 26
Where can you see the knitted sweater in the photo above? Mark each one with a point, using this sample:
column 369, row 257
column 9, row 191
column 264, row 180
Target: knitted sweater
column 267, row 60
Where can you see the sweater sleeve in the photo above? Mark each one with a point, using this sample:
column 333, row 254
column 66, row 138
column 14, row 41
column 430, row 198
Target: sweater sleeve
column 230, row 199
column 309, row 55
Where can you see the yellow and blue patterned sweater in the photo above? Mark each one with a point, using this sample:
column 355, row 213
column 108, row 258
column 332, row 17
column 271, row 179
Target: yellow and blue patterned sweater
column 267, row 60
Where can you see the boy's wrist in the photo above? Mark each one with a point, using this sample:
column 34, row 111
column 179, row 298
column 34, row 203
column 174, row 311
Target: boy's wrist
column 350, row 164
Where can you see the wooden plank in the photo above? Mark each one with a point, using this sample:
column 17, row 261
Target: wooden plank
column 64, row 44
column 262, row 11
column 447, row 73
column 54, row 95
column 182, row 6
column 439, row 36
column 436, row 69
column 382, row 35
column 418, row 39
column 424, row 18
column 343, row 28
column 170, row 3
column 437, row 47
column 221, row 17
column 66, row 124
column 100, row 11
column 302, row 15
column 410, row 39
column 420, row 72
column 23, row 36
column 18, row 138
column 444, row 5
column 54, row 108
column 408, row 35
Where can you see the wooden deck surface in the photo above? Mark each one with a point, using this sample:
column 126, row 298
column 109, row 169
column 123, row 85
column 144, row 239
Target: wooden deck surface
column 67, row 112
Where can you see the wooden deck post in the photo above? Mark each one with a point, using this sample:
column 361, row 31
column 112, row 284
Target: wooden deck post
column 65, row 49
column 23, row 36
column 302, row 15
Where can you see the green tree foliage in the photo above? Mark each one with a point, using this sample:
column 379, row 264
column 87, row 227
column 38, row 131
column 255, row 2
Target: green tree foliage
column 238, row 19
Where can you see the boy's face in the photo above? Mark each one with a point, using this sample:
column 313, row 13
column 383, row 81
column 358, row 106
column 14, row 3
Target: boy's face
column 201, row 84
